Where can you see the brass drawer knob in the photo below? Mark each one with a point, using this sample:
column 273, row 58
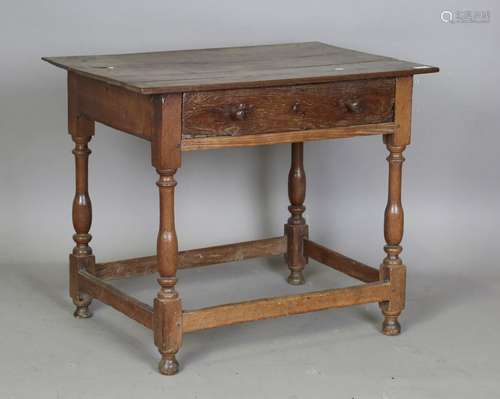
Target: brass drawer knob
column 353, row 106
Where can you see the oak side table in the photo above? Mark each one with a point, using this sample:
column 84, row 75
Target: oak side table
column 237, row 97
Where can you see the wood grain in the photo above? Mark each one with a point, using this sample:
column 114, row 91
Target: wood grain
column 305, row 107
column 106, row 293
column 392, row 265
column 210, row 143
column 166, row 132
column 236, row 67
column 82, row 206
column 395, row 274
column 340, row 262
column 194, row 258
column 394, row 214
column 259, row 309
column 166, row 158
column 113, row 106
column 402, row 112
column 81, row 258
column 167, row 309
column 296, row 229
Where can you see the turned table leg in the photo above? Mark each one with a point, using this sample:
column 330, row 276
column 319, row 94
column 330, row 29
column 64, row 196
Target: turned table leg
column 296, row 228
column 392, row 268
column 166, row 158
column 82, row 257
column 167, row 319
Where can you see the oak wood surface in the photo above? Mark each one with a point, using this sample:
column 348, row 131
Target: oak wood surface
column 293, row 108
column 259, row 309
column 236, row 67
column 402, row 112
column 106, row 293
column 166, row 158
column 340, row 262
column 394, row 213
column 194, row 258
column 81, row 130
column 296, row 228
column 392, row 267
column 166, row 133
column 111, row 105
column 167, row 309
column 252, row 140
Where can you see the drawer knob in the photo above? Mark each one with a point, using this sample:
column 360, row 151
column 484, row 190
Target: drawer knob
column 240, row 112
column 353, row 106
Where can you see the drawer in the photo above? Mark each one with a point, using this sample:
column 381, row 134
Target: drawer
column 285, row 109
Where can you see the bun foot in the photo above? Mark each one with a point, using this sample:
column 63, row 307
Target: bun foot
column 82, row 307
column 82, row 312
column 391, row 326
column 296, row 278
column 168, row 365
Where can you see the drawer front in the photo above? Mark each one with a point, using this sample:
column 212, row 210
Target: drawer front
column 283, row 109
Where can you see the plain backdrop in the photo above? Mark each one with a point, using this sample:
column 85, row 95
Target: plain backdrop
column 451, row 190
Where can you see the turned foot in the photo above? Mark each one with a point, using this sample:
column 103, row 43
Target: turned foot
column 82, row 308
column 168, row 364
column 296, row 278
column 391, row 325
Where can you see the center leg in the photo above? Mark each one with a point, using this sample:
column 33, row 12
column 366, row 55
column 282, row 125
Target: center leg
column 296, row 229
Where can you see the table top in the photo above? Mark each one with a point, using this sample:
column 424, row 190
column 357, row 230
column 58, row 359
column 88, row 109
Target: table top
column 236, row 67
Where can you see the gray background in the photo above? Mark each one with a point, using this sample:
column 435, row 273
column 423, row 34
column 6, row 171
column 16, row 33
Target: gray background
column 451, row 197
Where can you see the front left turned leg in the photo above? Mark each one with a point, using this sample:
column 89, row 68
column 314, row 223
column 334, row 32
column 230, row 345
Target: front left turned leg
column 392, row 268
column 296, row 229
column 167, row 318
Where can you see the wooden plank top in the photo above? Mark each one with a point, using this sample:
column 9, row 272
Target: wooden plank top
column 236, row 67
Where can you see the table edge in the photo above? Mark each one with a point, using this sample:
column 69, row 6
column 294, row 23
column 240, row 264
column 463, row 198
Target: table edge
column 183, row 88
